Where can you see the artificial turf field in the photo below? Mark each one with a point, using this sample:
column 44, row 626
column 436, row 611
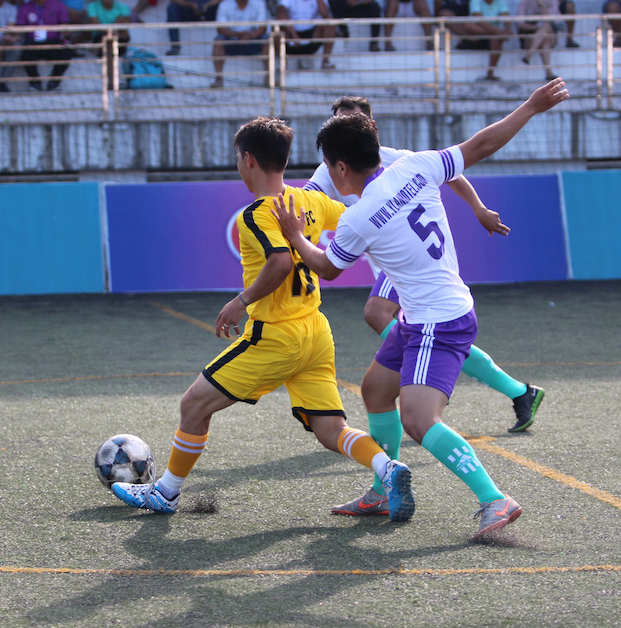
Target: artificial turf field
column 74, row 370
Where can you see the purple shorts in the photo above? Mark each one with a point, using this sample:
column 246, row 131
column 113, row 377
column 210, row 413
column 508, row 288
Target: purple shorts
column 430, row 354
column 384, row 288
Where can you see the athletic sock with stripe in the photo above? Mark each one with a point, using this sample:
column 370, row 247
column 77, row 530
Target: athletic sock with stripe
column 186, row 450
column 481, row 367
column 454, row 452
column 359, row 446
column 386, row 430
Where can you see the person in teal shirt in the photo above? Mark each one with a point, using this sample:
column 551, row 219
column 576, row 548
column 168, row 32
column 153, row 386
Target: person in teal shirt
column 489, row 34
column 109, row 12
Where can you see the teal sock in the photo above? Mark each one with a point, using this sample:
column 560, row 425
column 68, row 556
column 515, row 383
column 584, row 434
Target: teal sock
column 386, row 430
column 456, row 454
column 387, row 329
column 481, row 366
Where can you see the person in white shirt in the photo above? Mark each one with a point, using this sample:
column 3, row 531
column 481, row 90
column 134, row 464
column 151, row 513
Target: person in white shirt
column 239, row 11
column 300, row 37
column 383, row 305
column 401, row 223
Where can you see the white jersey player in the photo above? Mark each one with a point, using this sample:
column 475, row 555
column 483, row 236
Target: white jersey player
column 382, row 306
column 400, row 221
column 402, row 224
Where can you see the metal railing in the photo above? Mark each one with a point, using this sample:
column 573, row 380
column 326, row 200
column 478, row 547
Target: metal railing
column 439, row 81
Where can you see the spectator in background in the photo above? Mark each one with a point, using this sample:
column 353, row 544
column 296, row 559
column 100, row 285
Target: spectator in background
column 188, row 11
column 41, row 14
column 487, row 35
column 538, row 36
column 8, row 15
column 358, row 8
column 300, row 38
column 454, row 8
column 568, row 7
column 614, row 6
column 141, row 5
column 239, row 11
column 110, row 12
column 77, row 15
column 421, row 8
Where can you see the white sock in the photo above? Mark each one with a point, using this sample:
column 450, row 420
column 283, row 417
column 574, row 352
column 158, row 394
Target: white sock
column 170, row 485
column 379, row 463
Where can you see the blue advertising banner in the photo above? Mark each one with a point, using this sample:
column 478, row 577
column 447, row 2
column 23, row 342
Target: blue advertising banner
column 182, row 236
column 535, row 248
column 592, row 202
column 50, row 238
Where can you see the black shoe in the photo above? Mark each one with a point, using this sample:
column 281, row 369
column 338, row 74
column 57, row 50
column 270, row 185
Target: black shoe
column 4, row 88
column 53, row 85
column 374, row 47
column 572, row 43
column 174, row 51
column 35, row 86
column 526, row 406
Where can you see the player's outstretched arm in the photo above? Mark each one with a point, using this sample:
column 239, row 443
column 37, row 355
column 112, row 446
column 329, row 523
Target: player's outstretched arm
column 293, row 230
column 493, row 137
column 489, row 219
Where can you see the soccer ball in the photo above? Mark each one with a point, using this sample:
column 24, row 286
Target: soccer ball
column 124, row 458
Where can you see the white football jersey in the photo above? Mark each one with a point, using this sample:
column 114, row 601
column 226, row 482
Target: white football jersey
column 322, row 182
column 401, row 223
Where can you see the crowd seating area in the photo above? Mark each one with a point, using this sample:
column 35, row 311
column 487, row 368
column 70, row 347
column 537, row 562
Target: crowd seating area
column 444, row 80
column 96, row 124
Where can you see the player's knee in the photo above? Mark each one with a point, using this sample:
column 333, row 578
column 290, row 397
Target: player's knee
column 369, row 314
column 377, row 315
column 375, row 396
column 327, row 429
column 195, row 411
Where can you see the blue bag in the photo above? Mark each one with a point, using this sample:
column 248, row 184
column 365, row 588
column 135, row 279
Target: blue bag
column 144, row 69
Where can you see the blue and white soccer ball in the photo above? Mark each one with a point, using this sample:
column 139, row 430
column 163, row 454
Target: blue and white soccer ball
column 124, row 458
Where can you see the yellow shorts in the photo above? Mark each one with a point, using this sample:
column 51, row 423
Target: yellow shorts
column 297, row 353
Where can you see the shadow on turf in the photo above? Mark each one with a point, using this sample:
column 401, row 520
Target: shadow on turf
column 234, row 599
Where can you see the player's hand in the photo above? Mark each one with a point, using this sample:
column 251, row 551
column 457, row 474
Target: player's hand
column 490, row 220
column 229, row 318
column 548, row 96
column 291, row 225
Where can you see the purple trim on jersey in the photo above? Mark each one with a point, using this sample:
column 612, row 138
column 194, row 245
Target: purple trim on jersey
column 311, row 185
column 383, row 288
column 449, row 164
column 341, row 254
column 429, row 354
column 373, row 176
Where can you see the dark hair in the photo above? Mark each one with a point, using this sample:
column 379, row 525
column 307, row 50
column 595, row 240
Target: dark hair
column 349, row 103
column 268, row 140
column 351, row 139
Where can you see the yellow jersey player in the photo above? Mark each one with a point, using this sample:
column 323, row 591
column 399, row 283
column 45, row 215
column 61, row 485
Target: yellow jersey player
column 286, row 341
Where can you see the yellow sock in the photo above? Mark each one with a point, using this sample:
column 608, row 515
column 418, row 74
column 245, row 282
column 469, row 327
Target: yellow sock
column 358, row 446
column 185, row 452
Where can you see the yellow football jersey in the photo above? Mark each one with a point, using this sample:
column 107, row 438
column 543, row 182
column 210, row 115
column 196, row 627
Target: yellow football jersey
column 260, row 235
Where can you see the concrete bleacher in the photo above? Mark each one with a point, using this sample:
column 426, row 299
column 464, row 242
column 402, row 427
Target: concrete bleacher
column 193, row 69
column 190, row 126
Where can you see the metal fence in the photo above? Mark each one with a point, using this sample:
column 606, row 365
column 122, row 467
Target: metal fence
column 97, row 84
